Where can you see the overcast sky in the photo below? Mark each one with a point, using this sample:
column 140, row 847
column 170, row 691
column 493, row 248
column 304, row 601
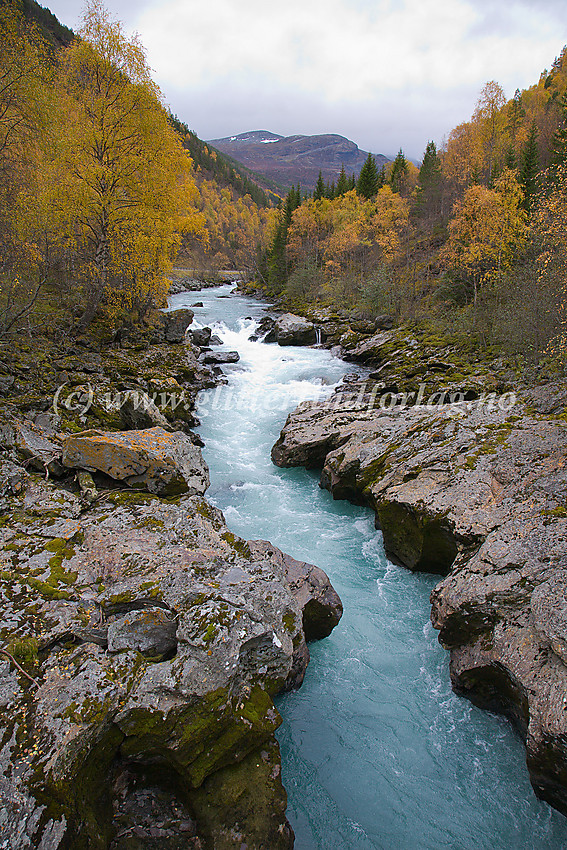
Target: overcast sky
column 385, row 74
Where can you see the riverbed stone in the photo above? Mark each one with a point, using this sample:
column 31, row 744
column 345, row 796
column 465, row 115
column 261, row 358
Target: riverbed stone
column 290, row 329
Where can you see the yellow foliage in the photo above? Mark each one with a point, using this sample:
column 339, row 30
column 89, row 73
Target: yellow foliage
column 127, row 184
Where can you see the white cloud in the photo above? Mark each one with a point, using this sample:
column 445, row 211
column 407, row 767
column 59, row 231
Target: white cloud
column 341, row 50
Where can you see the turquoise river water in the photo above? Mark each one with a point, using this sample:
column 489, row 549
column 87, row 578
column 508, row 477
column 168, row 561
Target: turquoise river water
column 377, row 752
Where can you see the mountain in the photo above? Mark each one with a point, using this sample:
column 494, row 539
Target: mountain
column 289, row 160
column 55, row 33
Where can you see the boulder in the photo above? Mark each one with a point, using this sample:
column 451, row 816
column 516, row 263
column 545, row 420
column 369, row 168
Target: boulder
column 152, row 459
column 294, row 330
column 175, row 324
column 200, row 337
column 34, row 443
column 218, row 357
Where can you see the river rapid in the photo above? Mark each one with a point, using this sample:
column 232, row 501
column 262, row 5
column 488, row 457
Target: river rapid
column 377, row 751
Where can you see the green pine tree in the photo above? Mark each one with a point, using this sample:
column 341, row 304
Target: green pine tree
column 342, row 183
column 530, row 168
column 399, row 173
column 510, row 160
column 277, row 255
column 319, row 191
column 429, row 180
column 367, row 184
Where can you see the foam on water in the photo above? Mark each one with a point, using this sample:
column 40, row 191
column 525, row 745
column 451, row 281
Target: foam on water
column 377, row 751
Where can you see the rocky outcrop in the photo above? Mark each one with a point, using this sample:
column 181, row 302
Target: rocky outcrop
column 476, row 491
column 142, row 643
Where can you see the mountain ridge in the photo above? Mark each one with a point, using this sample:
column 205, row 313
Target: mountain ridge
column 299, row 158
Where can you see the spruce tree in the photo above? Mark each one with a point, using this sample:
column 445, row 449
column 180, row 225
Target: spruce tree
column 319, row 191
column 530, row 168
column 510, row 160
column 428, row 182
column 342, row 183
column 367, row 184
column 399, row 173
column 277, row 257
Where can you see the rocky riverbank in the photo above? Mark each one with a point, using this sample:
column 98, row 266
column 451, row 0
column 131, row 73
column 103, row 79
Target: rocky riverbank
column 141, row 642
column 467, row 479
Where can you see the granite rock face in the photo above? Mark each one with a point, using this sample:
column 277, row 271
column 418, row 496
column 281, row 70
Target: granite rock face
column 476, row 491
column 150, row 641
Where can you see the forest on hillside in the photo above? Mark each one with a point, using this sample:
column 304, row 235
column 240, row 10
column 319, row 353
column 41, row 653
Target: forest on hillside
column 103, row 190
column 472, row 241
column 99, row 194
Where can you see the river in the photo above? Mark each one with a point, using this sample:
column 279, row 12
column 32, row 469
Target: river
column 377, row 751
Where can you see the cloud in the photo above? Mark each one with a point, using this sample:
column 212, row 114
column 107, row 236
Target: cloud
column 340, row 49
column 383, row 72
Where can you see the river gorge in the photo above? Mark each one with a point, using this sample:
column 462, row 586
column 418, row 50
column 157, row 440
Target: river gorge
column 377, row 750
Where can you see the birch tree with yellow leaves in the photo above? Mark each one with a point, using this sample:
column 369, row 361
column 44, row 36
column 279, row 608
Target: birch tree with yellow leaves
column 487, row 228
column 127, row 187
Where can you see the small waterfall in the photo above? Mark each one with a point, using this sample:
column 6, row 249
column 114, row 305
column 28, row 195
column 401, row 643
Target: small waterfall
column 318, row 335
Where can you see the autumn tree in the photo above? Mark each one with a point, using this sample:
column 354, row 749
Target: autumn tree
column 550, row 222
column 129, row 190
column 486, row 229
column 25, row 106
column 489, row 120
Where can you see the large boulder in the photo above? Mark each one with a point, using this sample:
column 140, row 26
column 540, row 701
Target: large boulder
column 175, row 324
column 294, row 330
column 152, row 459
column 216, row 358
column 32, row 442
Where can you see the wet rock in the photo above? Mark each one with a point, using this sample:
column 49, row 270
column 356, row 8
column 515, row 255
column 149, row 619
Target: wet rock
column 152, row 459
column 294, row 330
column 218, row 357
column 200, row 337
